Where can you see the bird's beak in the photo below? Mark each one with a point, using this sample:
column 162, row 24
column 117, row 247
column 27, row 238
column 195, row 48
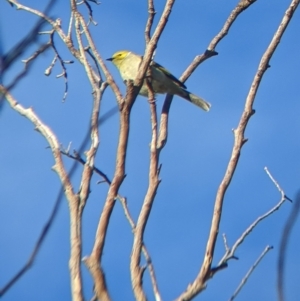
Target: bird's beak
column 110, row 59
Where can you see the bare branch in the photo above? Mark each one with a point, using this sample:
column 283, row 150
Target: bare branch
column 239, row 140
column 244, row 280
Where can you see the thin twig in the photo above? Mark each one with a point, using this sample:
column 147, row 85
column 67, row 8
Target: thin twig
column 88, row 50
column 283, row 196
column 78, row 158
column 48, row 70
column 244, row 280
column 152, row 12
column 225, row 242
column 64, row 74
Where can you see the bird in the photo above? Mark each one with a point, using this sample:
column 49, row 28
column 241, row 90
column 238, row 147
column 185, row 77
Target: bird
column 162, row 81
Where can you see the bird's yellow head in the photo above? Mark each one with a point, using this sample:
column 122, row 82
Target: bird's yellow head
column 118, row 57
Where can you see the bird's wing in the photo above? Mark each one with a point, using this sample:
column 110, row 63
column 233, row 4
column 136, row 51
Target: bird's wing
column 169, row 75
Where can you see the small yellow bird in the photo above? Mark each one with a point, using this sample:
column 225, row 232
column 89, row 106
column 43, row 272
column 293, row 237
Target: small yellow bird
column 162, row 81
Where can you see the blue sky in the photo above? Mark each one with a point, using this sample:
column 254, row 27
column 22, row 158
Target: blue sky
column 193, row 161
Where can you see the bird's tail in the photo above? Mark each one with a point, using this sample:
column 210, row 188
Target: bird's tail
column 199, row 102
